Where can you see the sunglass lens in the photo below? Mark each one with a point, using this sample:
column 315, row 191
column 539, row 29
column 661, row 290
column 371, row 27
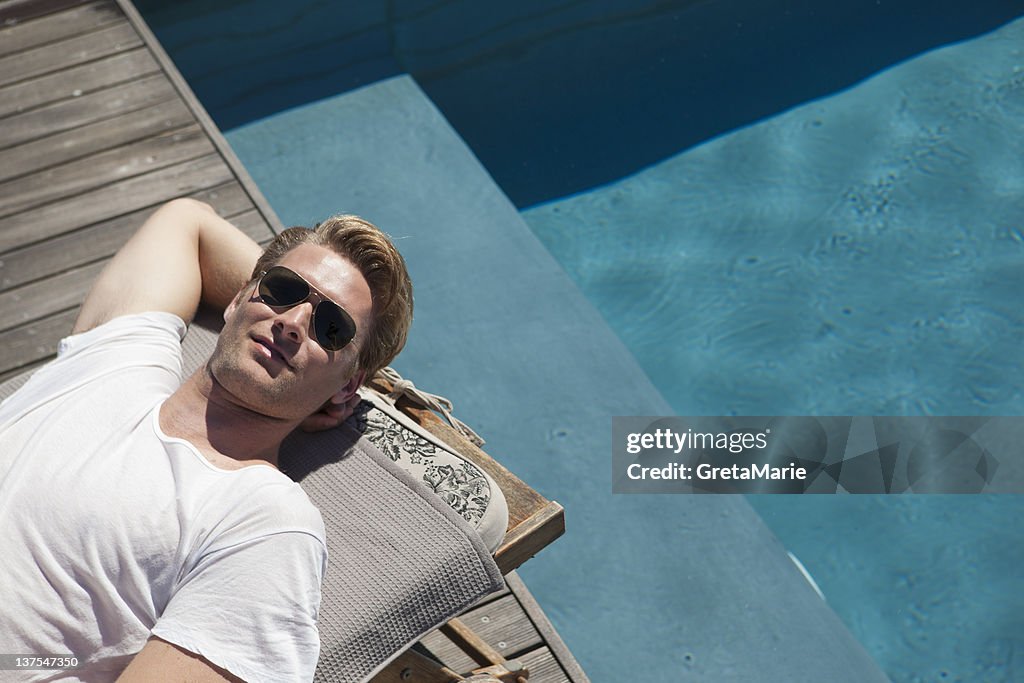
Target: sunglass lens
column 333, row 326
column 282, row 287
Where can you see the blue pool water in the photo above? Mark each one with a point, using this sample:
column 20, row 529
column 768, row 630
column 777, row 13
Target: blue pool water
column 842, row 246
column 859, row 254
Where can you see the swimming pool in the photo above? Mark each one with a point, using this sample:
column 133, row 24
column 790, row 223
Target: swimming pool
column 859, row 254
column 912, row 590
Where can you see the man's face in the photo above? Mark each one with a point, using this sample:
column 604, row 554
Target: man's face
column 267, row 358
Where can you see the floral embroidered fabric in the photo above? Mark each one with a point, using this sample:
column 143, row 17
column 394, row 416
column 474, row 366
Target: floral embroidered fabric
column 461, row 484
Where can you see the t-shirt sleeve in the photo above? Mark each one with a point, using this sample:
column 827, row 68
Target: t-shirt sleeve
column 251, row 608
column 139, row 354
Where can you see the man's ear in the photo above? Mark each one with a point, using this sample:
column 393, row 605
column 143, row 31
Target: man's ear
column 338, row 408
column 349, row 390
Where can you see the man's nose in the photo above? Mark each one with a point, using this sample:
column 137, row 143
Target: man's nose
column 294, row 322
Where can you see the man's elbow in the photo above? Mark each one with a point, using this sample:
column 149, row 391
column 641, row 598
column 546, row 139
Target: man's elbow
column 186, row 206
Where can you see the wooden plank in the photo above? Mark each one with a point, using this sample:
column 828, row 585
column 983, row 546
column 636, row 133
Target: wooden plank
column 413, row 667
column 65, row 215
column 43, row 298
column 555, row 644
column 545, row 656
column 543, row 667
column 46, row 59
column 502, row 623
column 4, row 376
column 479, row 650
column 29, row 344
column 253, row 224
column 527, row 538
column 77, row 81
column 35, row 317
column 81, row 111
column 13, row 12
column 47, row 297
column 200, row 113
column 21, row 36
column 44, row 259
column 104, row 168
column 33, row 343
column 79, row 142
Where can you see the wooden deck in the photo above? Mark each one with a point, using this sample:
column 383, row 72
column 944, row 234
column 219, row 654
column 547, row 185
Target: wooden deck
column 513, row 624
column 97, row 129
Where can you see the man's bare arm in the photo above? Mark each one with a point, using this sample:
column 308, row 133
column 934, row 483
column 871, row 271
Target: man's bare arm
column 183, row 254
column 173, row 665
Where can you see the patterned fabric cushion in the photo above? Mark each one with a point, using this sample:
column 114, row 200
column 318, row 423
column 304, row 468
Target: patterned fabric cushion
column 467, row 489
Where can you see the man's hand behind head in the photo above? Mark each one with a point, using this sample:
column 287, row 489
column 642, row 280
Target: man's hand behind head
column 330, row 415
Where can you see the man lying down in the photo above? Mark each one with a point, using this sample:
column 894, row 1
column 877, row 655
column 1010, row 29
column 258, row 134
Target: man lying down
column 147, row 528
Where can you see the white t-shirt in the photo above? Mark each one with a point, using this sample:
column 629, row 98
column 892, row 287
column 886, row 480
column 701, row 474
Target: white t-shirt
column 111, row 531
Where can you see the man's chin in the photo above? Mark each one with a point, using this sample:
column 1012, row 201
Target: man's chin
column 250, row 385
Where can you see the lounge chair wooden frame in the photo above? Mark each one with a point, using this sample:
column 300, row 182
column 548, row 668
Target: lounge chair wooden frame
column 534, row 522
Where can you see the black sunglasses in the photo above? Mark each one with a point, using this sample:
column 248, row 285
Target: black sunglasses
column 280, row 287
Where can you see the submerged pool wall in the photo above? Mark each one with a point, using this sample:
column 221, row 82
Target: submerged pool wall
column 557, row 96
